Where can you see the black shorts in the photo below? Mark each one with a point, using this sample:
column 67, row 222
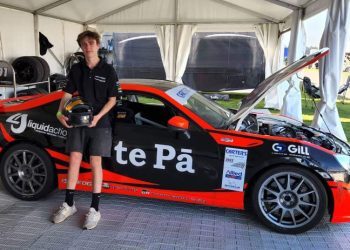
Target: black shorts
column 94, row 141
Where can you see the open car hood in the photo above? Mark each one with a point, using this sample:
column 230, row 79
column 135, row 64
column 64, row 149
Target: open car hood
column 251, row 100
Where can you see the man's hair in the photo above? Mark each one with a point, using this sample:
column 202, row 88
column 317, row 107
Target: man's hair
column 89, row 34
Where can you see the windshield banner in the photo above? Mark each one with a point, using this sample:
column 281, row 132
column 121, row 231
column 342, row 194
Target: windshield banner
column 180, row 94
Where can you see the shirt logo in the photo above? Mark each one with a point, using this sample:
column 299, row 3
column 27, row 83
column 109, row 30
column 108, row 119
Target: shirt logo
column 100, row 79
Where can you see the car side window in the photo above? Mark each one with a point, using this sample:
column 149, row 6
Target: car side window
column 146, row 110
column 147, row 100
column 143, row 109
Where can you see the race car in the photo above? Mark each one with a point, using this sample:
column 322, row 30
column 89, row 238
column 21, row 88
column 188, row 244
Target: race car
column 172, row 143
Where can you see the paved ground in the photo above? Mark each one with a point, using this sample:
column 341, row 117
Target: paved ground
column 135, row 223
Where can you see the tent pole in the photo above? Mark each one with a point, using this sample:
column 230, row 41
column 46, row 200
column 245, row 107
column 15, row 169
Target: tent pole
column 2, row 48
column 175, row 38
column 55, row 57
column 36, row 34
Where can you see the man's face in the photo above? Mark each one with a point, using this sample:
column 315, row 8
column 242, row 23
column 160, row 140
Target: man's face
column 89, row 46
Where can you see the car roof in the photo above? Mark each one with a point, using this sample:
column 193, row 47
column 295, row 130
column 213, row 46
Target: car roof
column 158, row 84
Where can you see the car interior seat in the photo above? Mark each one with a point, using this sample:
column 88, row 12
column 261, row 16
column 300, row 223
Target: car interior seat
column 123, row 113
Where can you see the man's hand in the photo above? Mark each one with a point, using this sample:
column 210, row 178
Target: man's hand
column 63, row 120
column 94, row 121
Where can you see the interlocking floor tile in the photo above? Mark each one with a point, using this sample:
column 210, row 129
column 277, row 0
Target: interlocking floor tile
column 135, row 223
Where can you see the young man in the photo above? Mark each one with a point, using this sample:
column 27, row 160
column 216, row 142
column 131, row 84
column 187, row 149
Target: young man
column 97, row 83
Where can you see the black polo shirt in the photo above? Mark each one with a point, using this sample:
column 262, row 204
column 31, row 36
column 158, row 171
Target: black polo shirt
column 95, row 86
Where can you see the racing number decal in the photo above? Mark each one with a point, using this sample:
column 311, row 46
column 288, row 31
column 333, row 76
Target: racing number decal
column 3, row 72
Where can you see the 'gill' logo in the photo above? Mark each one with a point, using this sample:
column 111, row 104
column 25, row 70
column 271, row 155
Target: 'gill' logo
column 292, row 149
column 18, row 122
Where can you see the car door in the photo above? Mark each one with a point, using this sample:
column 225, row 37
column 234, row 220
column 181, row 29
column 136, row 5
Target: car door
column 145, row 148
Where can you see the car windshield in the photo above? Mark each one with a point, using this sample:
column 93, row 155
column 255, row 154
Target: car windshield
column 208, row 110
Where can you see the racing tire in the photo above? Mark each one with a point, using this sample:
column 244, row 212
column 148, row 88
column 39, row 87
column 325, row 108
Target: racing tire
column 289, row 199
column 32, row 91
column 74, row 58
column 27, row 172
column 28, row 69
column 46, row 68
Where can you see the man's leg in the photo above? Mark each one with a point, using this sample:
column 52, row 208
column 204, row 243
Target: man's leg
column 96, row 165
column 94, row 216
column 73, row 174
column 100, row 146
column 68, row 208
column 75, row 145
column 74, row 166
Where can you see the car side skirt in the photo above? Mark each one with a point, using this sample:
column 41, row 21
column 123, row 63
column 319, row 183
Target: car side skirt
column 128, row 186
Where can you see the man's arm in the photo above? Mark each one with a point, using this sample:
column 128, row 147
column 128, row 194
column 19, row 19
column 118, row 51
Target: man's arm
column 106, row 108
column 63, row 119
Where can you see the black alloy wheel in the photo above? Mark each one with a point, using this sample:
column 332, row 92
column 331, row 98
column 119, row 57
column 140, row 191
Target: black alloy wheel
column 27, row 172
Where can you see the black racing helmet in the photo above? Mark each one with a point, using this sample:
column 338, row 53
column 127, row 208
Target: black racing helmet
column 79, row 113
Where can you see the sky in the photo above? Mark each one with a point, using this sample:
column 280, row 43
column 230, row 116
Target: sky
column 314, row 27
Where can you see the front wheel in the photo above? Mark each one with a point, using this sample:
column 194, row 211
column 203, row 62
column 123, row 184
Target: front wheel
column 27, row 172
column 289, row 199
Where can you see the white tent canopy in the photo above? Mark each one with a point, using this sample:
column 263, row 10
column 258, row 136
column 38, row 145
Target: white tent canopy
column 111, row 12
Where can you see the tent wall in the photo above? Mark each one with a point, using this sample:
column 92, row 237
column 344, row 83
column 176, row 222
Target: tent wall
column 17, row 34
column 62, row 35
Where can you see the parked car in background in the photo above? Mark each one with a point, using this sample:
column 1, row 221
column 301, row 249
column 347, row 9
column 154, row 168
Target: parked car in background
column 224, row 61
column 217, row 61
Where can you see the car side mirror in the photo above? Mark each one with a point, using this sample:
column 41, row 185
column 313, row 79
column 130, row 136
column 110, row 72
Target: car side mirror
column 178, row 122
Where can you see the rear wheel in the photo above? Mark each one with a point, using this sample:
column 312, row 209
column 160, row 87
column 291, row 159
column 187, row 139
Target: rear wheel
column 27, row 172
column 289, row 199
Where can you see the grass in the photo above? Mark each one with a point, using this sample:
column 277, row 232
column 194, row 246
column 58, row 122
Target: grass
column 308, row 110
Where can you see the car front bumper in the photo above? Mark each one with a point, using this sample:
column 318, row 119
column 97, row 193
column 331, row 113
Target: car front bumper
column 341, row 201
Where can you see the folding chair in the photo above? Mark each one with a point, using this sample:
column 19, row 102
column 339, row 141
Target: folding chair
column 310, row 90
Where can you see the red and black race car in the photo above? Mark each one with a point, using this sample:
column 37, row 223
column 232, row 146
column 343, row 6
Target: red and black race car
column 171, row 143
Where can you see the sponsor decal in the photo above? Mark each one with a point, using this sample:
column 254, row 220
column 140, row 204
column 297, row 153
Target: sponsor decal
column 291, row 149
column 145, row 192
column 235, row 163
column 164, row 153
column 180, row 94
column 233, row 174
column 225, row 139
column 19, row 122
column 235, row 151
column 279, row 147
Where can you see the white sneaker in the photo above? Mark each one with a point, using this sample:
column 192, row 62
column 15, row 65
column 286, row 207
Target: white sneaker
column 92, row 218
column 63, row 213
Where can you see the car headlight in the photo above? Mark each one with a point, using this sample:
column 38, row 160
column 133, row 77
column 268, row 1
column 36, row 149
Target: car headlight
column 344, row 161
column 340, row 176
